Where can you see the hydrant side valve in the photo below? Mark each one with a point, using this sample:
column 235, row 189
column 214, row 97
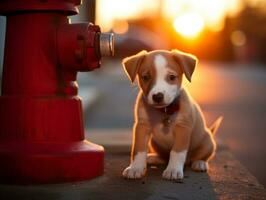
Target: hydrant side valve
column 80, row 48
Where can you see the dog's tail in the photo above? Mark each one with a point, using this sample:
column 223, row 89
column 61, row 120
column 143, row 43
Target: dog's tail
column 214, row 127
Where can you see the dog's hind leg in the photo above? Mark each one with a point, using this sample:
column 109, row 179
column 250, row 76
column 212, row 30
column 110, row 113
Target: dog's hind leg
column 202, row 155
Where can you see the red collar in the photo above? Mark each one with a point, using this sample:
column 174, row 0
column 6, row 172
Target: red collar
column 172, row 108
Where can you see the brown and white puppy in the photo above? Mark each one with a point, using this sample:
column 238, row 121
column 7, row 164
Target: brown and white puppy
column 180, row 136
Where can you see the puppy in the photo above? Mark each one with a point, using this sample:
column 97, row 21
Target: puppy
column 169, row 125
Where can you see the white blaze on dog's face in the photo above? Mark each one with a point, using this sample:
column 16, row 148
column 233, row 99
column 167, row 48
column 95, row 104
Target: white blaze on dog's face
column 166, row 86
column 160, row 74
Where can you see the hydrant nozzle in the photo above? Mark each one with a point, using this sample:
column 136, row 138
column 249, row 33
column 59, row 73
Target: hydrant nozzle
column 80, row 46
column 106, row 44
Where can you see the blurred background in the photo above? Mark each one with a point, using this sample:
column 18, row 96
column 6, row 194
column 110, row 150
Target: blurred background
column 228, row 37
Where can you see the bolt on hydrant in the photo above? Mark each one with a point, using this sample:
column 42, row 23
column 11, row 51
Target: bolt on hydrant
column 41, row 122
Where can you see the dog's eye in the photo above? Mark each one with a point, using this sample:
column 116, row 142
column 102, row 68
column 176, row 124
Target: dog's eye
column 172, row 77
column 146, row 77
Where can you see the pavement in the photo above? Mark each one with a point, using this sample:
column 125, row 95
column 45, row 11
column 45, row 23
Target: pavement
column 226, row 179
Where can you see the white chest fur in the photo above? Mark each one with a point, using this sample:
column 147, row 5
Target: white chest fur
column 163, row 136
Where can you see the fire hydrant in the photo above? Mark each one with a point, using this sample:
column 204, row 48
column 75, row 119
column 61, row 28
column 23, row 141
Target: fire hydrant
column 41, row 121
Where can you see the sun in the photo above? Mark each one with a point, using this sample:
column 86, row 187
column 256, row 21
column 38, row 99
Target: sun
column 189, row 25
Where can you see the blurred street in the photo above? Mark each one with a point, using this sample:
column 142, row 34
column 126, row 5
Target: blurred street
column 236, row 92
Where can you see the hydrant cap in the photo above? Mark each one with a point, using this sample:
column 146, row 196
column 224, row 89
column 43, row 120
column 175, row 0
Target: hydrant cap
column 14, row 6
column 107, row 44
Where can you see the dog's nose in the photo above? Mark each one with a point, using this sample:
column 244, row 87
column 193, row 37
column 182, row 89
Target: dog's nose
column 157, row 98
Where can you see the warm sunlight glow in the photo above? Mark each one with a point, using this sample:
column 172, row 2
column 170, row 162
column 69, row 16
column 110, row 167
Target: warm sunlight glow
column 120, row 26
column 189, row 25
column 205, row 77
column 108, row 12
column 238, row 38
column 210, row 13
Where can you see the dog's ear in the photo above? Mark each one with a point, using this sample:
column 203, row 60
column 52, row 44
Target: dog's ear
column 131, row 64
column 186, row 61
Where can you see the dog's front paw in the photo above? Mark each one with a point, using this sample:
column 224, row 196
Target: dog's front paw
column 133, row 172
column 173, row 173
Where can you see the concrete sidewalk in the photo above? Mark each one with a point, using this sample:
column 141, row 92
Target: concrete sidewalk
column 226, row 179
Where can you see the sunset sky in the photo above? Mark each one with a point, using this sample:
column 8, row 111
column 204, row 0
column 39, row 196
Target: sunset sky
column 188, row 17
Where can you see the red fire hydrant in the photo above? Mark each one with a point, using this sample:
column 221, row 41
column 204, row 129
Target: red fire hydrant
column 41, row 122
